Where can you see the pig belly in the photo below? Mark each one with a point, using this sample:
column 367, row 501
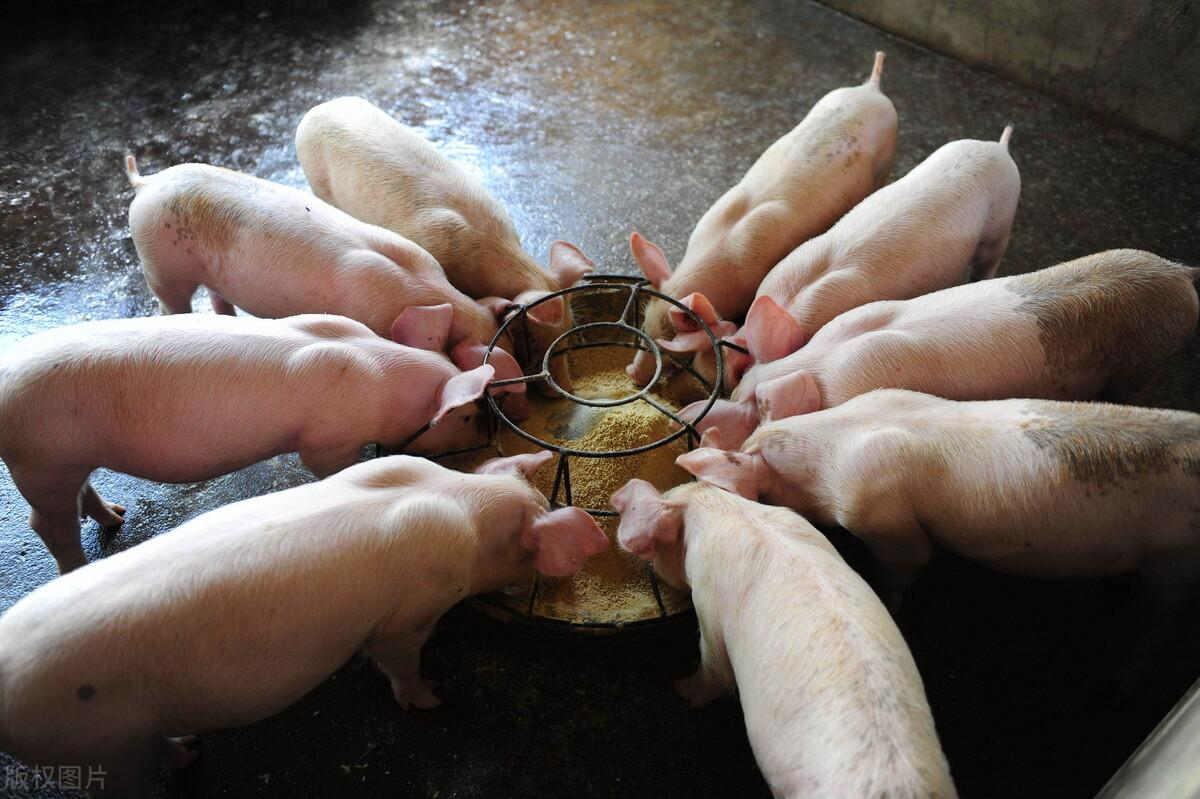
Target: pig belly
column 1051, row 528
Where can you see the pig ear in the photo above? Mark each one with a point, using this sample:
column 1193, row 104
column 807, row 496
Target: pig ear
column 498, row 307
column 518, row 465
column 651, row 259
column 462, row 389
column 736, row 363
column 548, row 313
column 468, row 354
column 712, row 438
column 700, row 306
column 732, row 471
column 771, row 332
column 562, row 540
column 790, row 395
column 568, row 264
column 424, row 326
column 735, row 421
column 648, row 522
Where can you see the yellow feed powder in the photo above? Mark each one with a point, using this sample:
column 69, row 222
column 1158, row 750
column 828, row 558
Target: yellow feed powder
column 613, row 586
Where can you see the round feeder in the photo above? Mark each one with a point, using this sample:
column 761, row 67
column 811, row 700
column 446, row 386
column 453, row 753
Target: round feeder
column 605, row 431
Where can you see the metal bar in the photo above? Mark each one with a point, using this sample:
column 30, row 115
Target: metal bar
column 511, row 381
column 662, row 608
column 630, row 303
column 567, row 479
column 558, row 475
column 1167, row 764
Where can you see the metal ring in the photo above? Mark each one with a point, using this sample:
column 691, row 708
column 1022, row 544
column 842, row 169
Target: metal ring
column 605, row 403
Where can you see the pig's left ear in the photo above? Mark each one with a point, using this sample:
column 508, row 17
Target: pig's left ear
column 426, row 327
column 790, row 395
column 568, row 264
column 517, row 465
column 771, row 332
column 648, row 522
column 462, row 389
column 562, row 540
column 732, row 471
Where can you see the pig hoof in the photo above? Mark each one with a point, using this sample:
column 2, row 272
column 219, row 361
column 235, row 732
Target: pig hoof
column 181, row 752
column 416, row 693
column 693, row 691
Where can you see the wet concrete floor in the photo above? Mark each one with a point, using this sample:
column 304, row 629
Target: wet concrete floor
column 587, row 120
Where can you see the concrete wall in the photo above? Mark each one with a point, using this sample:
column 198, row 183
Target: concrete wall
column 1136, row 61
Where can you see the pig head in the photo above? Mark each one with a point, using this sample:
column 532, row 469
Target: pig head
column 556, row 542
column 652, row 528
column 545, row 319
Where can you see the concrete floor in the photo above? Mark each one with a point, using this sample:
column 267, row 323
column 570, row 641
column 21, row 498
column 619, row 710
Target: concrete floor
column 587, row 120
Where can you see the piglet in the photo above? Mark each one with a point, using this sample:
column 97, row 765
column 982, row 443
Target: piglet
column 236, row 614
column 275, row 251
column 834, row 705
column 802, row 184
column 190, row 397
column 1098, row 325
column 945, row 222
column 363, row 161
column 1029, row 487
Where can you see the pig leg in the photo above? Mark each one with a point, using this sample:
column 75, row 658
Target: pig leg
column 902, row 549
column 400, row 659
column 329, row 459
column 220, row 305
column 174, row 296
column 987, row 258
column 107, row 514
column 177, row 753
column 55, row 504
column 706, row 684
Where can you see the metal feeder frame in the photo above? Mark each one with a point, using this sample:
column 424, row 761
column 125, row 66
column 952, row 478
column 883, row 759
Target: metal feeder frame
column 570, row 341
column 628, row 323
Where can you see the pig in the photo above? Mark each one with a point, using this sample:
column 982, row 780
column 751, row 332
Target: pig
column 1036, row 488
column 945, row 222
column 190, row 397
column 833, row 702
column 275, row 251
column 236, row 614
column 797, row 189
column 1098, row 325
column 360, row 159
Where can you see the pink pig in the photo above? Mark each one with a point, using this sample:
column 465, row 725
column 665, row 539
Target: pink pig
column 834, row 705
column 190, row 397
column 946, row 221
column 363, row 161
column 236, row 614
column 1100, row 324
column 1028, row 487
column 802, row 184
column 275, row 251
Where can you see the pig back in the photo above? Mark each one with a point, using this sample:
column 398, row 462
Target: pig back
column 833, row 701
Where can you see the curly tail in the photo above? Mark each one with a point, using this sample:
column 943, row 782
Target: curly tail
column 877, row 70
column 1006, row 135
column 135, row 177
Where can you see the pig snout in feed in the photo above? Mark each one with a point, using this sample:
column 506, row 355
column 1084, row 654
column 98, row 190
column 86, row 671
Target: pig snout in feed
column 797, row 189
column 833, row 703
column 191, row 397
column 275, row 251
column 1029, row 487
column 945, row 222
column 361, row 160
column 177, row 637
column 1100, row 325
